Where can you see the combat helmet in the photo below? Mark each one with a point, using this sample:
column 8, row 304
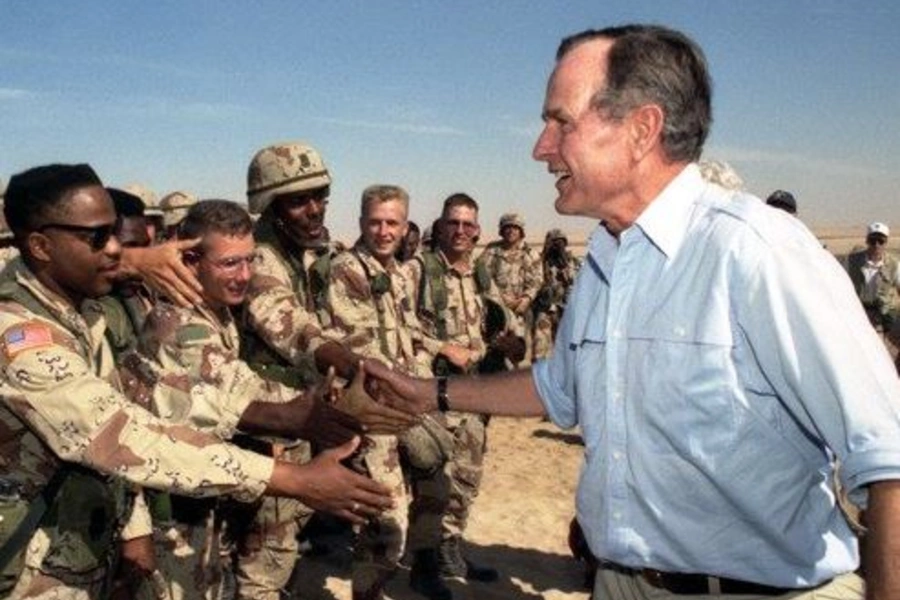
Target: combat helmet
column 147, row 196
column 175, row 206
column 512, row 219
column 556, row 234
column 281, row 169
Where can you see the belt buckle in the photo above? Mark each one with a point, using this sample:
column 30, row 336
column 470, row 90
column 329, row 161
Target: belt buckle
column 654, row 578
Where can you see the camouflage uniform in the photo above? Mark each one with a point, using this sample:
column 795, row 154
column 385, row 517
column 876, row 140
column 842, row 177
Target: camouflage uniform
column 442, row 500
column 282, row 322
column 516, row 272
column 551, row 299
column 60, row 400
column 370, row 307
column 200, row 348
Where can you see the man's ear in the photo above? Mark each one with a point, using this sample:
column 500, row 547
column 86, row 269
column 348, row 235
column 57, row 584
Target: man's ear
column 39, row 246
column 646, row 127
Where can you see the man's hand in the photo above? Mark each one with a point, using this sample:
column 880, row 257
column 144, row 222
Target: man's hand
column 325, row 484
column 162, row 268
column 320, row 422
column 139, row 555
column 511, row 346
column 375, row 417
column 400, row 391
column 459, row 356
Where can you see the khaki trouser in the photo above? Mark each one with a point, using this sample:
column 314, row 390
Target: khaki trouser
column 615, row 585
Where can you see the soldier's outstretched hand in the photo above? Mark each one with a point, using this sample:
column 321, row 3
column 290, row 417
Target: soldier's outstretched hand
column 323, row 423
column 374, row 416
column 325, row 484
column 398, row 390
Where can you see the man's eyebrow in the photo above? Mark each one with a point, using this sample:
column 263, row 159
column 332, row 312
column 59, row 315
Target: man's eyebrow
column 555, row 114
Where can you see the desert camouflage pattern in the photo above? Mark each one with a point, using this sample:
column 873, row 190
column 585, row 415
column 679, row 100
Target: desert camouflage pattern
column 283, row 168
column 204, row 346
column 372, row 310
column 548, row 309
column 465, row 312
column 147, row 196
column 442, row 499
column 189, row 565
column 175, row 206
column 60, row 399
column 517, row 274
column 280, row 310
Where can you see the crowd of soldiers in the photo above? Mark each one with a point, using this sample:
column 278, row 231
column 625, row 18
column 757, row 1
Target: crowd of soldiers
column 183, row 382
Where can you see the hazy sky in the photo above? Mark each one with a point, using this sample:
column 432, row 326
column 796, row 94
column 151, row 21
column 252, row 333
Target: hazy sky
column 436, row 96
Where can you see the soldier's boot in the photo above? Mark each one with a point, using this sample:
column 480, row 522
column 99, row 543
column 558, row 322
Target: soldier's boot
column 453, row 565
column 425, row 576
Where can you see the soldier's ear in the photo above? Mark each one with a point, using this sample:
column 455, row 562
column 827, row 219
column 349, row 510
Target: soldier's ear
column 38, row 246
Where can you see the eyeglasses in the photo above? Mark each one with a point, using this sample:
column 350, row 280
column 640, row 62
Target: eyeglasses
column 96, row 237
column 468, row 227
column 876, row 240
column 232, row 264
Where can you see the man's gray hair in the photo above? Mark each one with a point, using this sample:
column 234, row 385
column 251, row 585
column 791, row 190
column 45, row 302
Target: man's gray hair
column 651, row 64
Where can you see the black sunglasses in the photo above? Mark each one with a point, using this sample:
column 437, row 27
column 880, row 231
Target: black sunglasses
column 876, row 239
column 97, row 237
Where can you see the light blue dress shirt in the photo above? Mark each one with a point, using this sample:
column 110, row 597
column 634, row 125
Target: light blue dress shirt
column 717, row 360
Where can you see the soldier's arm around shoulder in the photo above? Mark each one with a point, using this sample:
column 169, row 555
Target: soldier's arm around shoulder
column 48, row 380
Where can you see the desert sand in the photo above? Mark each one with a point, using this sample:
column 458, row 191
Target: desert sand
column 519, row 524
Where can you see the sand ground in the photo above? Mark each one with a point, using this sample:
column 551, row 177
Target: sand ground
column 519, row 524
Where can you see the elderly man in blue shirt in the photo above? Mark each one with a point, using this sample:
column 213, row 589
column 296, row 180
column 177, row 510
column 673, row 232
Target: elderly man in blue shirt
column 714, row 355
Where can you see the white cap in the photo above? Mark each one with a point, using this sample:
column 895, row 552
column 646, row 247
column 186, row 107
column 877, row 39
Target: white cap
column 877, row 227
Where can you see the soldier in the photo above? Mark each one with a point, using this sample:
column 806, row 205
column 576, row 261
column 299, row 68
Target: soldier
column 515, row 269
column 559, row 267
column 174, row 207
column 284, row 322
column 456, row 302
column 202, row 344
column 152, row 212
column 370, row 305
column 71, row 436
column 409, row 247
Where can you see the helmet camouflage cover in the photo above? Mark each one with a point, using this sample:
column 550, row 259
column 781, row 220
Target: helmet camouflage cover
column 512, row 219
column 281, row 169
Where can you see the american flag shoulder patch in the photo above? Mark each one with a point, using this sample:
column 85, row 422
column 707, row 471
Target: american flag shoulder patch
column 25, row 336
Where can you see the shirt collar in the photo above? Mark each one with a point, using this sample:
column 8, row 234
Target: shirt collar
column 665, row 220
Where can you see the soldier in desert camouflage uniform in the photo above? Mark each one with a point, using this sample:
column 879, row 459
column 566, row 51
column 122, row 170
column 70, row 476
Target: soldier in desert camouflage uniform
column 60, row 401
column 456, row 301
column 152, row 212
column 285, row 320
column 174, row 207
column 515, row 269
column 370, row 305
column 560, row 267
column 202, row 343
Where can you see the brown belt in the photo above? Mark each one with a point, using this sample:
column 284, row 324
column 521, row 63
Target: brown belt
column 698, row 584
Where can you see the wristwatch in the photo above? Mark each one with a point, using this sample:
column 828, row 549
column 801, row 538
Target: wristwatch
column 443, row 400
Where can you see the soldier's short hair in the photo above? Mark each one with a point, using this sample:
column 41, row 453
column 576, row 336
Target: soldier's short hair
column 458, row 199
column 382, row 193
column 215, row 216
column 33, row 194
column 127, row 205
